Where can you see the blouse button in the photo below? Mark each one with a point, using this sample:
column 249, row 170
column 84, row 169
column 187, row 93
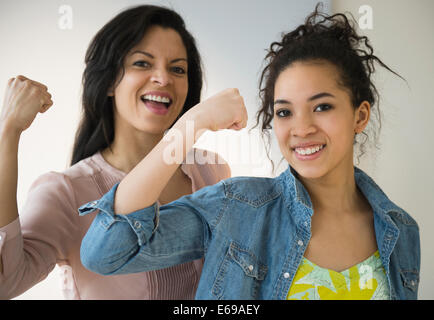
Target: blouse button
column 286, row 275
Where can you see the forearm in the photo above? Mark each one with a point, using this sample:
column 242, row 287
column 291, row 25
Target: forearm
column 8, row 177
column 143, row 240
column 144, row 184
column 9, row 141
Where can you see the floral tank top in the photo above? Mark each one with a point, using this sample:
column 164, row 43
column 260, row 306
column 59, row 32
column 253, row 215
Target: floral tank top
column 365, row 281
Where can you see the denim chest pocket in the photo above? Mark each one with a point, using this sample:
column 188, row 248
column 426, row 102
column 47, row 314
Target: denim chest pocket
column 240, row 274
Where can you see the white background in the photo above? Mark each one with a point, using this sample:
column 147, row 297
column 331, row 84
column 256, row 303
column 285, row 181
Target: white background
column 232, row 37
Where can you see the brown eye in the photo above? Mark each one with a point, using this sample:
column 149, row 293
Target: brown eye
column 178, row 70
column 323, row 107
column 283, row 113
column 142, row 63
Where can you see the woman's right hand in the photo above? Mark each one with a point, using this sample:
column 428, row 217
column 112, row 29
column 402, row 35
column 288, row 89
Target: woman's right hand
column 225, row 110
column 24, row 98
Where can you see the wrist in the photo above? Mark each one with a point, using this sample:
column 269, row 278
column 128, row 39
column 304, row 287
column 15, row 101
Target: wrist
column 9, row 132
column 202, row 120
column 194, row 121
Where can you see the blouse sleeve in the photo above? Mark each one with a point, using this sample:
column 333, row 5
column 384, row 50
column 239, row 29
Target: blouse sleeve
column 31, row 246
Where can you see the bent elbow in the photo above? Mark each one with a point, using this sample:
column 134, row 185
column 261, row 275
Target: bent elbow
column 92, row 260
column 106, row 253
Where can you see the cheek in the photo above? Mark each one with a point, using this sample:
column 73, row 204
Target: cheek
column 182, row 89
column 131, row 82
column 281, row 130
column 340, row 131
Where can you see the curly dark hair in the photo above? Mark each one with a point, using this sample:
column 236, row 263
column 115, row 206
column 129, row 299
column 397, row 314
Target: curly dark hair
column 325, row 38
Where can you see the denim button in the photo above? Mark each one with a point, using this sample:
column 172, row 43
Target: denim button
column 300, row 243
column 137, row 224
column 286, row 275
column 251, row 268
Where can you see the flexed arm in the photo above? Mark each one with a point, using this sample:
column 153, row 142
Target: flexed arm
column 224, row 110
column 24, row 98
column 131, row 233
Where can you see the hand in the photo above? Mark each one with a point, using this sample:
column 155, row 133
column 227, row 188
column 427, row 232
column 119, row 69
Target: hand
column 24, row 98
column 225, row 110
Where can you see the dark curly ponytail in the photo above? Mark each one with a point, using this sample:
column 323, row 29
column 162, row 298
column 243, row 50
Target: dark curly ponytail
column 332, row 39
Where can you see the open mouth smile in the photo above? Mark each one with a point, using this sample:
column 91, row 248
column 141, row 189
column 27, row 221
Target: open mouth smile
column 157, row 103
column 309, row 152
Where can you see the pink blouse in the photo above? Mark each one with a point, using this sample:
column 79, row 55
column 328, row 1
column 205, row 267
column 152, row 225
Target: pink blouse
column 49, row 232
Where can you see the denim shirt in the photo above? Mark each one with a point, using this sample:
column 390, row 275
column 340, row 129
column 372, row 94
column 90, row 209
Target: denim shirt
column 252, row 231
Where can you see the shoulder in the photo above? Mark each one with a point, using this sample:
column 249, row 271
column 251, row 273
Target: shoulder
column 69, row 185
column 394, row 217
column 407, row 248
column 377, row 198
column 402, row 218
column 63, row 181
column 86, row 168
column 51, row 190
column 254, row 191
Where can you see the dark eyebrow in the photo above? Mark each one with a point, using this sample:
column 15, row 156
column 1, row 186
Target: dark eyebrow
column 281, row 101
column 152, row 57
column 320, row 95
column 314, row 97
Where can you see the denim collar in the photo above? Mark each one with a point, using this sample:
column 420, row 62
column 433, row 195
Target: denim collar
column 379, row 202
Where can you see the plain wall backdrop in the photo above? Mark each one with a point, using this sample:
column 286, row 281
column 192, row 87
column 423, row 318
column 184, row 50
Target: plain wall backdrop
column 232, row 36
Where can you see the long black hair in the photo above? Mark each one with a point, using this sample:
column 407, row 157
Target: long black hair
column 328, row 38
column 104, row 60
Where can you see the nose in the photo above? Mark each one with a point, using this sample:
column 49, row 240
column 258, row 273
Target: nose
column 303, row 126
column 161, row 77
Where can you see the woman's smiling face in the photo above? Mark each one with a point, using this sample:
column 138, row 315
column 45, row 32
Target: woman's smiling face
column 314, row 119
column 154, row 86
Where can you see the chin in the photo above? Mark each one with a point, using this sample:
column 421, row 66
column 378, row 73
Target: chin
column 308, row 171
column 153, row 127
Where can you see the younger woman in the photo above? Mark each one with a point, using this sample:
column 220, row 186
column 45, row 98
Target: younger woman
column 321, row 230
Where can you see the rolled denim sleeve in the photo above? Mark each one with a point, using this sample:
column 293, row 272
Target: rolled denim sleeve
column 148, row 239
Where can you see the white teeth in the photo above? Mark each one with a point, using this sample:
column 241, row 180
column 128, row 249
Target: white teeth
column 157, row 98
column 308, row 151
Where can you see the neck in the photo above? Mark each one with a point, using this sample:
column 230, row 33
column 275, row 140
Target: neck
column 335, row 193
column 129, row 148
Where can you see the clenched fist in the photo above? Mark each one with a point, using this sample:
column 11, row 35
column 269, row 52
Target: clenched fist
column 225, row 110
column 24, row 98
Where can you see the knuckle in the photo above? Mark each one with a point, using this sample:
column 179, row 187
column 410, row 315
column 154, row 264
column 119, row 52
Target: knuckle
column 231, row 91
column 27, row 84
column 22, row 78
